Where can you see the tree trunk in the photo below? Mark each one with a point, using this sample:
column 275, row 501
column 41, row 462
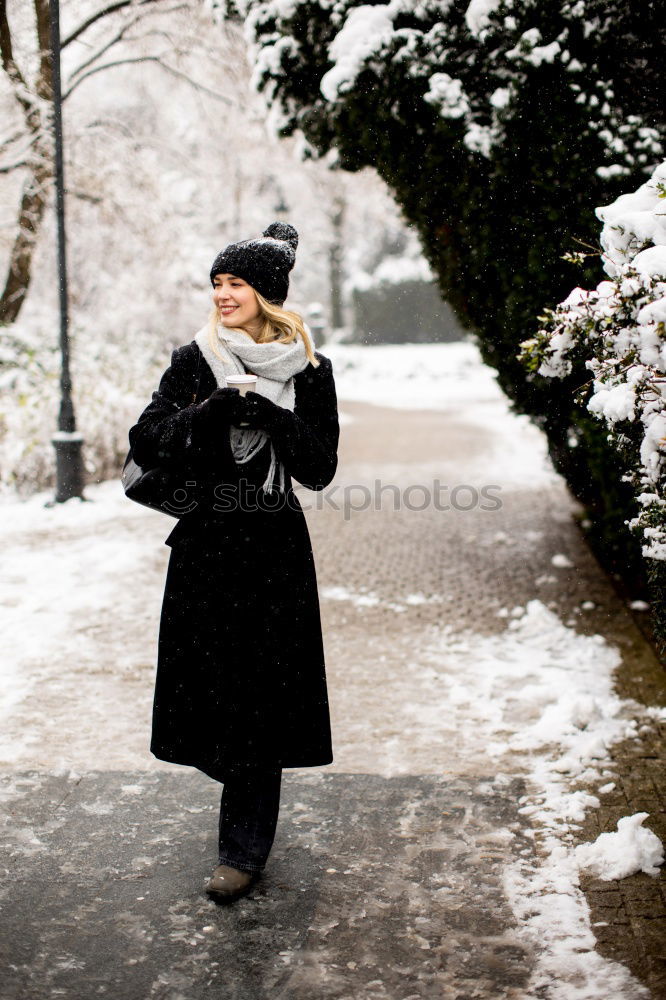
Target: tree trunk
column 31, row 212
column 40, row 164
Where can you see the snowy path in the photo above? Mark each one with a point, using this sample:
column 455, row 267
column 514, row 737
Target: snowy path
column 473, row 648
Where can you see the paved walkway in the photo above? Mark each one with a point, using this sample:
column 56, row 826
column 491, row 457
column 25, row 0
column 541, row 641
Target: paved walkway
column 368, row 893
column 479, row 562
column 385, row 879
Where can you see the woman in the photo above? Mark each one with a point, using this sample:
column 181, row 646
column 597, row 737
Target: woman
column 240, row 690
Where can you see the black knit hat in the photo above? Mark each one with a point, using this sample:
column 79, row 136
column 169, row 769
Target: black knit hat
column 264, row 263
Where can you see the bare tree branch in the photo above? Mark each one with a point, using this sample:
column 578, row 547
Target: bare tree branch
column 119, row 37
column 142, row 59
column 104, row 12
column 14, row 137
column 28, row 154
column 84, row 196
column 109, row 125
column 7, row 168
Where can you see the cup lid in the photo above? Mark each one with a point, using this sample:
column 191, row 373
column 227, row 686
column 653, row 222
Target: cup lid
column 241, row 378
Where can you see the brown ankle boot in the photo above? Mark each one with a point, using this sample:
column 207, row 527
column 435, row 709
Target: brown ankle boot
column 227, row 884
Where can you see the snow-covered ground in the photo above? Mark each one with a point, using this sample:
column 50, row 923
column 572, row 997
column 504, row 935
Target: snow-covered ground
column 537, row 700
column 416, row 376
column 452, row 378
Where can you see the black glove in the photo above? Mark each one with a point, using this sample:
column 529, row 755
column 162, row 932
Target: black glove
column 262, row 413
column 223, row 406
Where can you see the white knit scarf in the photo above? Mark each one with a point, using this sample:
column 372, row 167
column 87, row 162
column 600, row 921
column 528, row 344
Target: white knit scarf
column 275, row 365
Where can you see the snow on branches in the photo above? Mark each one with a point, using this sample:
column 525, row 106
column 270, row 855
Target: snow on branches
column 618, row 331
column 471, row 61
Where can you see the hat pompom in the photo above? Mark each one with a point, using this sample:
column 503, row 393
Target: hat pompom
column 282, row 231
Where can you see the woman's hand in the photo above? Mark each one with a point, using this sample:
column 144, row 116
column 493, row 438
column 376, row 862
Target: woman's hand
column 262, row 413
column 223, row 406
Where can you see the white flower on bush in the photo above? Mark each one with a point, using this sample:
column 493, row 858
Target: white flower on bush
column 618, row 331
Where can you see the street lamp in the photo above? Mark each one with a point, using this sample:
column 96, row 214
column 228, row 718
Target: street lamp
column 67, row 441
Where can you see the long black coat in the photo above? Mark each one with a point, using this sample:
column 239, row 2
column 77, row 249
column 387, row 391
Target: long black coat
column 240, row 672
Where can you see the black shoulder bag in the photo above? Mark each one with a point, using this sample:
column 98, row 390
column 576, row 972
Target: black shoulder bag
column 156, row 487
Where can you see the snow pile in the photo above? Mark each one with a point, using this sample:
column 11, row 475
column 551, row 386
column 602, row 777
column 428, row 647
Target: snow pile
column 364, row 598
column 528, row 49
column 448, row 95
column 414, row 376
column 63, row 593
column 539, row 699
column 360, row 600
column 634, row 228
column 619, row 331
column 543, row 693
column 632, row 848
column 556, row 920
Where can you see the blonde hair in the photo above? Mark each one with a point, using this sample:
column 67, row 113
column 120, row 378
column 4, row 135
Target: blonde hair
column 282, row 325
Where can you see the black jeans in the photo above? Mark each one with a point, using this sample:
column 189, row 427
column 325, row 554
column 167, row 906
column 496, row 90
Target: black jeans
column 248, row 816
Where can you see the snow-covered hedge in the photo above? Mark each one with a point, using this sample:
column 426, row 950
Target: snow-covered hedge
column 472, row 62
column 618, row 331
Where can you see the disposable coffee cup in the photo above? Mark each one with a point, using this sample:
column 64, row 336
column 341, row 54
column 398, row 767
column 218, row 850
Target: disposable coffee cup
column 243, row 383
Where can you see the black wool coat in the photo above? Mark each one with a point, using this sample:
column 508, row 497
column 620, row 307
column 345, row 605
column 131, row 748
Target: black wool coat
column 240, row 672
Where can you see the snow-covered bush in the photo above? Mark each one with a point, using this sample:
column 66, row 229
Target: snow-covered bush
column 113, row 372
column 618, row 332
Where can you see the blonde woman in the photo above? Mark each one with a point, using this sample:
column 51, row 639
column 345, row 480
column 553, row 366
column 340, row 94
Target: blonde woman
column 240, row 690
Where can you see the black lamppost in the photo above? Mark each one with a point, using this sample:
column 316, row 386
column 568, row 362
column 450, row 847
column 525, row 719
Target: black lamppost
column 66, row 441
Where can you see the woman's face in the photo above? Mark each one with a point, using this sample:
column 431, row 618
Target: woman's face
column 236, row 302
